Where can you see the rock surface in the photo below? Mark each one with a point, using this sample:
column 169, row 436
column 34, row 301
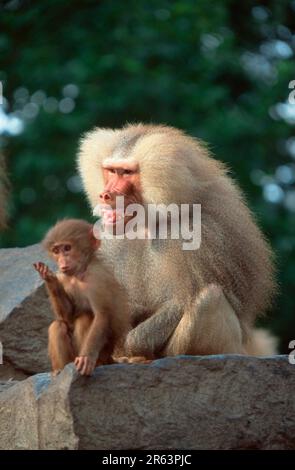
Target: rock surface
column 4, row 385
column 209, row 402
column 24, row 312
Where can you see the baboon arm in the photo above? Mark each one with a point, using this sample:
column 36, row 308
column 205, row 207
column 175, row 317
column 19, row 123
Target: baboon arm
column 97, row 335
column 59, row 299
column 151, row 335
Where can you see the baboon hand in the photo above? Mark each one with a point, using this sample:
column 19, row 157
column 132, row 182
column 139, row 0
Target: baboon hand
column 85, row 365
column 45, row 273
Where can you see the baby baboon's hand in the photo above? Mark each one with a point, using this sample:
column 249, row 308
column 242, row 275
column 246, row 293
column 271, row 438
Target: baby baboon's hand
column 85, row 365
column 44, row 271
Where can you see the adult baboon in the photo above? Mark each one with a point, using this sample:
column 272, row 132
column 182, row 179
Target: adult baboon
column 203, row 301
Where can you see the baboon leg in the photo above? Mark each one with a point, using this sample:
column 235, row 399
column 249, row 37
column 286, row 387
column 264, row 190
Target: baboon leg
column 210, row 326
column 132, row 360
column 60, row 347
column 81, row 327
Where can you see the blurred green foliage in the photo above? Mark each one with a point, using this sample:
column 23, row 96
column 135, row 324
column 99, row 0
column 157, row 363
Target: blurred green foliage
column 219, row 70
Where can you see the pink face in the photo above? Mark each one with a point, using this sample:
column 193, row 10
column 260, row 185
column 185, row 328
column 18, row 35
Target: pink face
column 121, row 179
column 67, row 257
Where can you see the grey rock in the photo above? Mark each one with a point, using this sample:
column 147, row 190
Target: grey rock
column 4, row 385
column 8, row 372
column 24, row 310
column 209, row 402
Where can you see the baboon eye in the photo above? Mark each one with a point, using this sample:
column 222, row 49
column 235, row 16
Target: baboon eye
column 55, row 250
column 111, row 170
column 128, row 172
column 68, row 247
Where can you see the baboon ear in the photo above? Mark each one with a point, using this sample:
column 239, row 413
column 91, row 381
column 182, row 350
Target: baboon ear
column 95, row 241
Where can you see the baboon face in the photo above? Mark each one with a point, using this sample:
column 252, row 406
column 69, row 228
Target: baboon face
column 120, row 179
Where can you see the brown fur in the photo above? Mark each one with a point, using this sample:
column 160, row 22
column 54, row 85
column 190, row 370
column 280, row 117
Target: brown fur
column 164, row 282
column 99, row 289
column 90, row 306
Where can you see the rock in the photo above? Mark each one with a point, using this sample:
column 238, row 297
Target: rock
column 4, row 385
column 8, row 372
column 24, row 311
column 209, row 402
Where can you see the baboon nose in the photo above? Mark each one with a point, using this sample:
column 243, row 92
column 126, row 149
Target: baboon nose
column 105, row 196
